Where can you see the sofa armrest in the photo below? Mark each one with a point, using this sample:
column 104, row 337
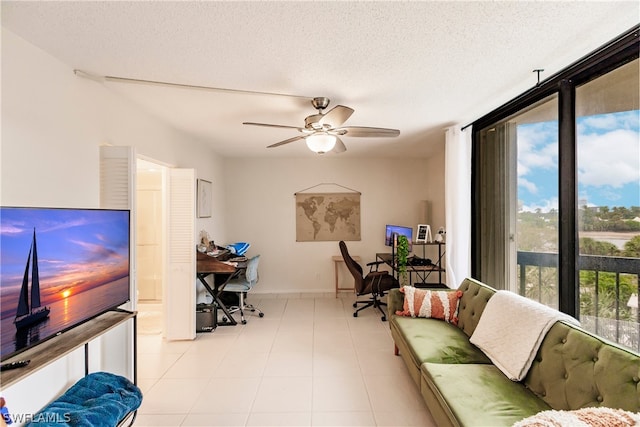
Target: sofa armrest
column 395, row 301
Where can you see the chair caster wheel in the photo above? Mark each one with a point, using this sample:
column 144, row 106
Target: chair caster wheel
column 383, row 318
column 244, row 322
column 355, row 314
column 224, row 319
column 261, row 315
column 355, row 305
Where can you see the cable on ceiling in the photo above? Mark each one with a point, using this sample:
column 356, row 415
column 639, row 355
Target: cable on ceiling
column 102, row 79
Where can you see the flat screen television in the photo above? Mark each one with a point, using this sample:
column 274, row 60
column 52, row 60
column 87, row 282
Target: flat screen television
column 400, row 230
column 58, row 269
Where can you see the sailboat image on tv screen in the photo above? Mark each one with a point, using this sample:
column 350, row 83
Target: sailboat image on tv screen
column 30, row 313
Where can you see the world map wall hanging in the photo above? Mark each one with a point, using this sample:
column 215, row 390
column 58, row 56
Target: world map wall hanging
column 327, row 217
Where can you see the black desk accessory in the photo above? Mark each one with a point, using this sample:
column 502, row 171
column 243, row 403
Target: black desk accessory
column 14, row 365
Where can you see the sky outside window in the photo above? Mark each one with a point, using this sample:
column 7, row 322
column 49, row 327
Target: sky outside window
column 608, row 162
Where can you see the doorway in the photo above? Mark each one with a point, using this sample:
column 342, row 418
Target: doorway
column 150, row 245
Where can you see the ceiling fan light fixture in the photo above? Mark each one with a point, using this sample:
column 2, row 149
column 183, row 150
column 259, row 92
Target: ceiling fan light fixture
column 323, row 131
column 320, row 142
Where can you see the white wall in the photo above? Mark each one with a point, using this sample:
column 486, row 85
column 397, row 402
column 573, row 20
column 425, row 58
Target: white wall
column 53, row 123
column 260, row 209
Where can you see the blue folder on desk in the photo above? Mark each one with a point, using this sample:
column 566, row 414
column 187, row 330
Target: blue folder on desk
column 238, row 248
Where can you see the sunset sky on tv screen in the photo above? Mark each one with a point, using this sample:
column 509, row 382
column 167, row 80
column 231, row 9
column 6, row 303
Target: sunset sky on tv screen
column 83, row 263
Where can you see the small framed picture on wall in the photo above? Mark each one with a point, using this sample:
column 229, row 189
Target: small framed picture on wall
column 424, row 234
column 204, row 198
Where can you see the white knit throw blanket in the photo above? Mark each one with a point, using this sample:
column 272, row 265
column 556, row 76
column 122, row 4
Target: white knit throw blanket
column 511, row 330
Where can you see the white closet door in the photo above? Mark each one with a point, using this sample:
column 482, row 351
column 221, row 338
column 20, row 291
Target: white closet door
column 180, row 289
column 117, row 177
column 117, row 189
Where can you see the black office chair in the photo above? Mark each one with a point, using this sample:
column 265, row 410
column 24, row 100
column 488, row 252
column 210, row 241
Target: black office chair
column 375, row 282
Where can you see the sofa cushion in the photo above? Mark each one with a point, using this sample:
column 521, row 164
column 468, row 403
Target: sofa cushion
column 428, row 303
column 433, row 340
column 478, row 394
column 575, row 369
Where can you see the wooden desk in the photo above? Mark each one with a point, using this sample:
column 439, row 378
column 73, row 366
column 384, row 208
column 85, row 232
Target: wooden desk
column 222, row 273
column 337, row 259
column 209, row 264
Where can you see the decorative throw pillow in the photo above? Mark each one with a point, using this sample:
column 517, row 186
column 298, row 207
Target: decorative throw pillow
column 426, row 303
column 594, row 417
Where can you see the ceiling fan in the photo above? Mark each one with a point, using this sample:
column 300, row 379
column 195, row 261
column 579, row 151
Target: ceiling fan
column 322, row 131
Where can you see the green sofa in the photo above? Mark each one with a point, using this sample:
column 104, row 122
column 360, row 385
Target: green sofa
column 572, row 369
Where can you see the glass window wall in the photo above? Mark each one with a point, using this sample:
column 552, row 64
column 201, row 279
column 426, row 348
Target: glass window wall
column 608, row 153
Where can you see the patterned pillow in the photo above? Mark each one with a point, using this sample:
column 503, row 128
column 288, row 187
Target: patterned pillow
column 426, row 303
column 596, row 417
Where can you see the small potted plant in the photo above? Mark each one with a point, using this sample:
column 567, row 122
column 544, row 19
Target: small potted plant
column 402, row 253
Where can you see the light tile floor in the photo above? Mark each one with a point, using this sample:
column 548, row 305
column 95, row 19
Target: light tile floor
column 308, row 362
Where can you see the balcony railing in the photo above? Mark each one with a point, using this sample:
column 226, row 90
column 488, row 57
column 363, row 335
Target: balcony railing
column 605, row 319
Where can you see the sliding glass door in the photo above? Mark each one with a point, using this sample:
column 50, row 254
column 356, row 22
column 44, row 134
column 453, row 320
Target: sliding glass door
column 519, row 226
column 537, row 213
column 556, row 192
column 608, row 153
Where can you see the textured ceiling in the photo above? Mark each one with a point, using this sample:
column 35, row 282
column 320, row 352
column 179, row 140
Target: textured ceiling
column 414, row 66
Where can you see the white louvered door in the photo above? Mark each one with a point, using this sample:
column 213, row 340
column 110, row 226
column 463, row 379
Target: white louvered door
column 117, row 177
column 117, row 189
column 180, row 290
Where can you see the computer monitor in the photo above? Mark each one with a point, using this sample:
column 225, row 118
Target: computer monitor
column 400, row 230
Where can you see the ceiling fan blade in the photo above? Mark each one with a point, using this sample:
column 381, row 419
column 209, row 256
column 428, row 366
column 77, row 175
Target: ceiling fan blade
column 340, row 147
column 273, row 126
column 336, row 116
column 367, row 131
column 286, row 141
